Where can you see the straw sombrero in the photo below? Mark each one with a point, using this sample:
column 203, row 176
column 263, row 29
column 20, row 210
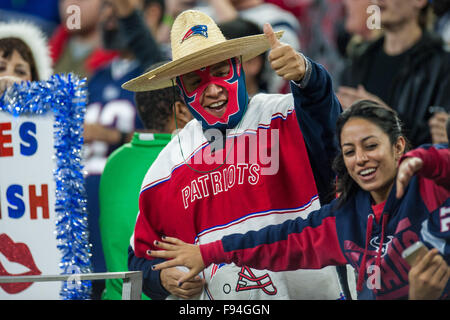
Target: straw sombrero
column 197, row 42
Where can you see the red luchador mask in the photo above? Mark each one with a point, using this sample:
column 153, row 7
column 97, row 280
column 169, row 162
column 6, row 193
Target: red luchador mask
column 231, row 79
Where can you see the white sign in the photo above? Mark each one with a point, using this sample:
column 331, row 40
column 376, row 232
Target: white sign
column 27, row 203
column 43, row 215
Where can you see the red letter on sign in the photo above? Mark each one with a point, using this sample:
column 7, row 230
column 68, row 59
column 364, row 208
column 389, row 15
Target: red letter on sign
column 5, row 138
column 41, row 201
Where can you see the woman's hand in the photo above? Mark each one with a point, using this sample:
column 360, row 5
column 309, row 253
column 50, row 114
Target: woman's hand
column 408, row 168
column 428, row 276
column 180, row 254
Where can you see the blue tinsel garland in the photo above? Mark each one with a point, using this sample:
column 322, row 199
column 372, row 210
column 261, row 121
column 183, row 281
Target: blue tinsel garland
column 65, row 96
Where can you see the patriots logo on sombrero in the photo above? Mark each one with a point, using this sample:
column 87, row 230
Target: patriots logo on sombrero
column 201, row 30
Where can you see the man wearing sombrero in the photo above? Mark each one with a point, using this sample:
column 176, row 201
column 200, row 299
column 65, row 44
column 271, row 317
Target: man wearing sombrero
column 239, row 165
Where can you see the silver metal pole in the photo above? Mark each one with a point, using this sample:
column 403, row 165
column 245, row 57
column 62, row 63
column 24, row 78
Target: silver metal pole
column 132, row 280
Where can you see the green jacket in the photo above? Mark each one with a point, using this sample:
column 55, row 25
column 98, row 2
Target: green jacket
column 120, row 185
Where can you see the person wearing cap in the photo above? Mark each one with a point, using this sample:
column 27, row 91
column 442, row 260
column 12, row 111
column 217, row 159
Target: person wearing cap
column 242, row 164
column 24, row 54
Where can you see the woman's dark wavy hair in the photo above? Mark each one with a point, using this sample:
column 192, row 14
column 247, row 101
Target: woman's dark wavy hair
column 9, row 45
column 386, row 119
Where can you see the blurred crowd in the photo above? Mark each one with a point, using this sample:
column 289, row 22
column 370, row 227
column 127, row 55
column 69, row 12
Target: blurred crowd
column 400, row 60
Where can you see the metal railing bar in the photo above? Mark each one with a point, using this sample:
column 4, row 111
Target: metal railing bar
column 132, row 280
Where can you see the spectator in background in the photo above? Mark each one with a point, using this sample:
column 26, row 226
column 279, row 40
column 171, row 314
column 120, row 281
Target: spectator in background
column 44, row 13
column 355, row 26
column 77, row 48
column 406, row 69
column 439, row 120
column 172, row 9
column 320, row 21
column 297, row 8
column 111, row 116
column 448, row 128
column 438, row 125
column 356, row 18
column 153, row 14
column 441, row 9
column 122, row 177
column 259, row 13
column 253, row 68
column 24, row 54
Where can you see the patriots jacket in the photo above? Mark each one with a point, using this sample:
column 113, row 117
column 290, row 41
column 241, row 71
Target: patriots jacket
column 238, row 194
column 350, row 234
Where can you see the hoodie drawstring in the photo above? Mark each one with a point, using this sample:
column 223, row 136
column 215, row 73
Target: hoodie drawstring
column 380, row 248
column 363, row 263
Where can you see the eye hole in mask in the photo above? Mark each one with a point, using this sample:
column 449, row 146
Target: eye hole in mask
column 196, row 81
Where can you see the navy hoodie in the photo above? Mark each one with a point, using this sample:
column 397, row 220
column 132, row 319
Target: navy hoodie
column 351, row 234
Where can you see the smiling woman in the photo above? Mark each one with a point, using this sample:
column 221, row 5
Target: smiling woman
column 372, row 142
column 368, row 226
column 16, row 60
column 30, row 43
column 24, row 54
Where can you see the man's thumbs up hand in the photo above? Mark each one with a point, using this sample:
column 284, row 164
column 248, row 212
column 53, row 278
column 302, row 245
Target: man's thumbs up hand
column 273, row 40
column 286, row 62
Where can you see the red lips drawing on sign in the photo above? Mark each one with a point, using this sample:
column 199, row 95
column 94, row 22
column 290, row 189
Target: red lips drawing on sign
column 18, row 253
